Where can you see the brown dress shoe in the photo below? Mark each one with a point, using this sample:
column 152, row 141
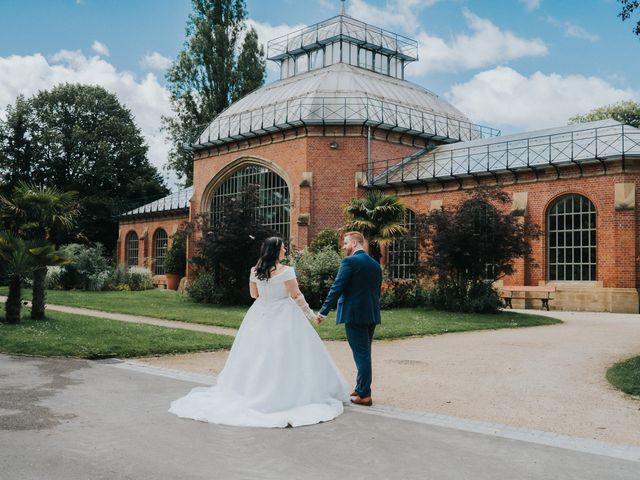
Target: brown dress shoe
column 354, row 394
column 358, row 400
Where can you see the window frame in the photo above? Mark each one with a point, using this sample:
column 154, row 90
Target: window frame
column 565, row 242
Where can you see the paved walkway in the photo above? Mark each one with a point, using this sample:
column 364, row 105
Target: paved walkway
column 196, row 327
column 80, row 420
column 548, row 378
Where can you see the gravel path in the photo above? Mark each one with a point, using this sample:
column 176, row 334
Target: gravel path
column 549, row 378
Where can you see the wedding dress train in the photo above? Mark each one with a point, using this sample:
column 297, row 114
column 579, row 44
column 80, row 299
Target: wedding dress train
column 278, row 372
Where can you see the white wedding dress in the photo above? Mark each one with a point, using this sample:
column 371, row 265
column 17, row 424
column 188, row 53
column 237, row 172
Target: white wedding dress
column 278, row 373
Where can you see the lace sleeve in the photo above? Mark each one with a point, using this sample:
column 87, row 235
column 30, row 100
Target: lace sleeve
column 252, row 275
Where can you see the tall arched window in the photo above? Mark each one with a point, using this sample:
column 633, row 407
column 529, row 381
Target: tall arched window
column 159, row 251
column 571, row 227
column 274, row 205
column 403, row 252
column 131, row 249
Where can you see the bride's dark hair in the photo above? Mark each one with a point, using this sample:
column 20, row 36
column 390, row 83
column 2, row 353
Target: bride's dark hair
column 269, row 253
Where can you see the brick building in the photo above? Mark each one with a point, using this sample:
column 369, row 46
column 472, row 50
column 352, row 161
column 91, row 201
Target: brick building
column 342, row 119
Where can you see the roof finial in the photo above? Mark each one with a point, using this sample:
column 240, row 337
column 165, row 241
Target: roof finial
column 342, row 12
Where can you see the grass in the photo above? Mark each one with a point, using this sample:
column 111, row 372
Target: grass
column 157, row 303
column 625, row 376
column 397, row 323
column 67, row 335
column 408, row 322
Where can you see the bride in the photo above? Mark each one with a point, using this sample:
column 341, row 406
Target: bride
column 278, row 373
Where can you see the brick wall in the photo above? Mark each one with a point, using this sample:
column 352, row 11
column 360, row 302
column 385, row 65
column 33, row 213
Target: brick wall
column 617, row 230
column 145, row 229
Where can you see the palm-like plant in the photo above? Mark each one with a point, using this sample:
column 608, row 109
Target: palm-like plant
column 33, row 212
column 379, row 217
column 17, row 263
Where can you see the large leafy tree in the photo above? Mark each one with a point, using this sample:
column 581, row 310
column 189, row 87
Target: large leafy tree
column 79, row 138
column 625, row 112
column 379, row 217
column 35, row 212
column 628, row 7
column 210, row 72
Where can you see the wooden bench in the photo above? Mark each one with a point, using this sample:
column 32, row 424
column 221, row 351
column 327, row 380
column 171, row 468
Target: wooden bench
column 543, row 294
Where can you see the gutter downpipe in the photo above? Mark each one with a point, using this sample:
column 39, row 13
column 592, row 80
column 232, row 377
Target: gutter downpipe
column 369, row 166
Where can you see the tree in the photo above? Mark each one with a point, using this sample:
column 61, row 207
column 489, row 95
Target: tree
column 35, row 212
column 80, row 138
column 17, row 161
column 17, row 264
column 229, row 247
column 624, row 112
column 378, row 217
column 206, row 76
column 473, row 242
column 251, row 66
column 628, row 7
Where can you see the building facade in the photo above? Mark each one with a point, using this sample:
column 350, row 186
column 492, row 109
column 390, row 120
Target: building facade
column 342, row 119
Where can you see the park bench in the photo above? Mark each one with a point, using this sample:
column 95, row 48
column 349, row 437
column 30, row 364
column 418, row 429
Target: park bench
column 542, row 293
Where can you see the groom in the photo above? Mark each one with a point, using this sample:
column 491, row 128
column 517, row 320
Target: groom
column 356, row 291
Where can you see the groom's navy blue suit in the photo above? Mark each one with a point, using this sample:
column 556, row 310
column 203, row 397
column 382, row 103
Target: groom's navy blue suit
column 356, row 292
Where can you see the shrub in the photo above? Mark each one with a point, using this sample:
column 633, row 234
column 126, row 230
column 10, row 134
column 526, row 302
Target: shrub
column 231, row 246
column 88, row 269
column 119, row 276
column 52, row 280
column 316, row 272
column 175, row 262
column 467, row 241
column 326, row 238
column 479, row 298
column 408, row 293
column 203, row 289
column 140, row 279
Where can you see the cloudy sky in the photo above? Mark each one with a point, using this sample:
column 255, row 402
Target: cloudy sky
column 515, row 65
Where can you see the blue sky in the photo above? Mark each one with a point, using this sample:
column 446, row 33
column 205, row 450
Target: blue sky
column 516, row 65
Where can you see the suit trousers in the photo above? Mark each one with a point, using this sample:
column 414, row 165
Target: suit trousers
column 360, row 338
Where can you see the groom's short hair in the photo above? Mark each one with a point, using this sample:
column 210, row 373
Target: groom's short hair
column 357, row 236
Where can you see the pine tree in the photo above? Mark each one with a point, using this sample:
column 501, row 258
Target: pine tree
column 202, row 79
column 250, row 72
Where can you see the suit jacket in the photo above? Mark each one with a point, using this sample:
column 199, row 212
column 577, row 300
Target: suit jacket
column 356, row 291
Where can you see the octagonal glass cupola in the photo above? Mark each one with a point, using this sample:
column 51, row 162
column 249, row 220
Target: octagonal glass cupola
column 342, row 39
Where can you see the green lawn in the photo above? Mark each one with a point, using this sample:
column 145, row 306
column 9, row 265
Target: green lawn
column 395, row 323
column 66, row 335
column 407, row 322
column 156, row 303
column 626, row 376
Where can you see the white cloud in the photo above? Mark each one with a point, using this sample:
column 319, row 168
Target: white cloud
column 147, row 99
column 532, row 4
column 156, row 61
column 576, row 31
column 570, row 29
column 100, row 48
column 504, row 98
column 403, row 14
column 486, row 45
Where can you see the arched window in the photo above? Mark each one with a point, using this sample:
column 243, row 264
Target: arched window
column 403, row 252
column 571, row 227
column 159, row 251
column 131, row 249
column 274, row 204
